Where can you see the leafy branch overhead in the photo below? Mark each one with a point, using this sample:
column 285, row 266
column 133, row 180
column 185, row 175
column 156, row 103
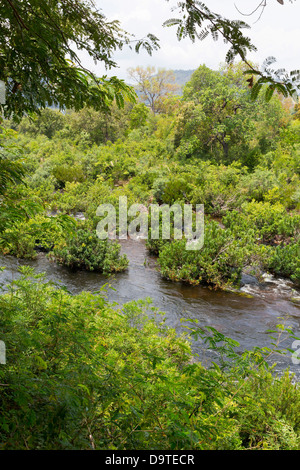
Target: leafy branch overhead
column 40, row 44
column 196, row 21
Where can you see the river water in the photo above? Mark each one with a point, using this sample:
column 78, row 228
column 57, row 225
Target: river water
column 244, row 316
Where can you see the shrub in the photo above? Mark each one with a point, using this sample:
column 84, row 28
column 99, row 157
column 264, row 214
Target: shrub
column 270, row 221
column 41, row 233
column 86, row 251
column 255, row 185
column 285, row 260
column 219, row 262
column 67, row 173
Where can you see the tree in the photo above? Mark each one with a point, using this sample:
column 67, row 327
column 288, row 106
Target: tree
column 154, row 88
column 219, row 120
column 138, row 116
column 97, row 127
column 48, row 122
column 39, row 61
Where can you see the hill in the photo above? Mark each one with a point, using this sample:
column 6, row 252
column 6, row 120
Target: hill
column 182, row 76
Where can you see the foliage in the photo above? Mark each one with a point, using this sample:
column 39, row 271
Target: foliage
column 268, row 220
column 85, row 251
column 40, row 63
column 219, row 262
column 218, row 120
column 68, row 174
column 154, row 87
column 82, row 375
column 14, row 206
column 47, row 122
column 285, row 260
column 11, row 168
column 25, row 238
column 196, row 21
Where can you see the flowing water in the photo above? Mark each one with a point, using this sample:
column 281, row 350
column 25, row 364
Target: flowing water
column 244, row 316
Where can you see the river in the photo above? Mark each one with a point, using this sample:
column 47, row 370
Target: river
column 244, row 316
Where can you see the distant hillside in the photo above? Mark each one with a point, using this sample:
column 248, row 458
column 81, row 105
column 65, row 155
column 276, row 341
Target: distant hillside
column 183, row 76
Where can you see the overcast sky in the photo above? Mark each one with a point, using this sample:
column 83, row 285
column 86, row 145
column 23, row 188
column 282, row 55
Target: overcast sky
column 277, row 33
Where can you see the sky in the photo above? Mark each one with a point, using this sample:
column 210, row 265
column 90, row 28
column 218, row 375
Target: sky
column 277, row 33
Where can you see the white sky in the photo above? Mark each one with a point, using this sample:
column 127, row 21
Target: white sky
column 277, row 34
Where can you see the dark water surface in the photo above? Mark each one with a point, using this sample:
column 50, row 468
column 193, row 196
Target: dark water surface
column 236, row 315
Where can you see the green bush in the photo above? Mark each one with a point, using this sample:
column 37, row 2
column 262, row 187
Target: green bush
column 271, row 222
column 68, row 173
column 86, row 251
column 285, row 260
column 256, row 184
column 40, row 233
column 217, row 187
column 72, row 199
column 168, row 191
column 219, row 262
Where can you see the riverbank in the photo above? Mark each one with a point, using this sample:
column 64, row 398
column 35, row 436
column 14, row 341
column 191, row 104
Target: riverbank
column 84, row 373
column 245, row 316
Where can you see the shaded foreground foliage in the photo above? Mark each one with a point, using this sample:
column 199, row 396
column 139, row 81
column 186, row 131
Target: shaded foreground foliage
column 81, row 374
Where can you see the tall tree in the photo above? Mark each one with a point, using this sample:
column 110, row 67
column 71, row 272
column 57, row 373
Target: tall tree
column 154, row 87
column 218, row 119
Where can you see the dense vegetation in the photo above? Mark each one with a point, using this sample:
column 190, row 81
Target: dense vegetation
column 213, row 146
column 81, row 374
